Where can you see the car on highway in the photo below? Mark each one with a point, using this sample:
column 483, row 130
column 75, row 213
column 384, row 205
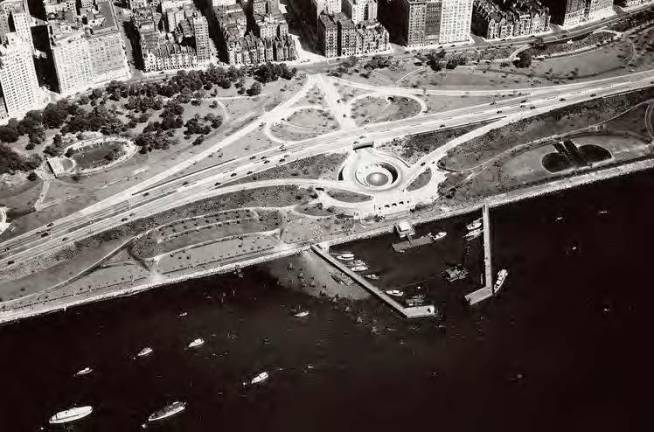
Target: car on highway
column 562, row 99
column 233, row 175
column 499, row 111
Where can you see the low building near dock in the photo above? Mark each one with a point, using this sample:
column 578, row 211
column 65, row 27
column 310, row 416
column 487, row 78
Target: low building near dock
column 404, row 229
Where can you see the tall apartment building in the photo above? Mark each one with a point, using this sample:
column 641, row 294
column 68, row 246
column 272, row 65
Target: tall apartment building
column 347, row 42
column 574, row 12
column 428, row 22
column 72, row 60
column 15, row 16
column 18, row 81
column 456, row 20
column 328, row 35
column 360, row 10
column 201, row 36
column 325, row 6
column 218, row 3
column 87, row 49
column 54, row 7
column 597, row 9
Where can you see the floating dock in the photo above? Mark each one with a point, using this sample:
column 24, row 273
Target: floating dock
column 479, row 296
column 407, row 312
column 411, row 243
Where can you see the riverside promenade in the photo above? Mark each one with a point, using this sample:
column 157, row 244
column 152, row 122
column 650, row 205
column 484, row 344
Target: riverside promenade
column 23, row 308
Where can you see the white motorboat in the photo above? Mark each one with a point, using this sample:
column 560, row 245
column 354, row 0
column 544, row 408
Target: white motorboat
column 144, row 352
column 474, row 225
column 85, row 371
column 71, row 415
column 167, row 411
column 263, row 376
column 195, row 343
column 346, row 256
column 501, row 278
column 359, row 268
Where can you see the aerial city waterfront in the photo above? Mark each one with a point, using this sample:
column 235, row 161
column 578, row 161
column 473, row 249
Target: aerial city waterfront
column 265, row 215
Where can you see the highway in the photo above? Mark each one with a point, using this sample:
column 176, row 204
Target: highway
column 163, row 192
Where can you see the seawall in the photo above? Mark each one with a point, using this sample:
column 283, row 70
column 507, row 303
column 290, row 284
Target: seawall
column 386, row 226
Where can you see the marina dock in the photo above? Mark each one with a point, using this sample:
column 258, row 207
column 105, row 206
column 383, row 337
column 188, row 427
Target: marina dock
column 486, row 291
column 407, row 312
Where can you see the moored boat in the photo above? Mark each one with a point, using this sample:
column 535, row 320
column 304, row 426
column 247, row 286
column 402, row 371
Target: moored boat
column 345, row 256
column 471, row 235
column 372, row 276
column 144, row 352
column 359, row 268
column 85, row 371
column 71, row 415
column 501, row 278
column 474, row 225
column 167, row 411
column 302, row 314
column 196, row 343
column 395, row 293
column 263, row 376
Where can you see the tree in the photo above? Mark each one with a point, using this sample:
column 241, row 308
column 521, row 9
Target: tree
column 523, row 60
column 255, row 89
column 10, row 161
column 55, row 114
column 32, row 176
column 8, row 134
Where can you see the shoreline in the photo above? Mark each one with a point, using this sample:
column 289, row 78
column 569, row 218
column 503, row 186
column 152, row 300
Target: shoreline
column 431, row 215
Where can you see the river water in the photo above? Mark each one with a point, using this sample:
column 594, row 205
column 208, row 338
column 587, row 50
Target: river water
column 565, row 347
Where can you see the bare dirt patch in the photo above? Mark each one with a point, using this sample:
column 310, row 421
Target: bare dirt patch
column 413, row 147
column 324, row 166
column 375, row 109
column 305, row 124
column 347, row 196
column 421, row 181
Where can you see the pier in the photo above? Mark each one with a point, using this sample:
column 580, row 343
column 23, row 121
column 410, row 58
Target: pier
column 487, row 291
column 406, row 312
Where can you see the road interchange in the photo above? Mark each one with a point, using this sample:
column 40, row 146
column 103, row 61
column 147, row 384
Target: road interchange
column 164, row 191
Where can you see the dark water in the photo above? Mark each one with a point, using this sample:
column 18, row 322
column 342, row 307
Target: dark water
column 566, row 346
